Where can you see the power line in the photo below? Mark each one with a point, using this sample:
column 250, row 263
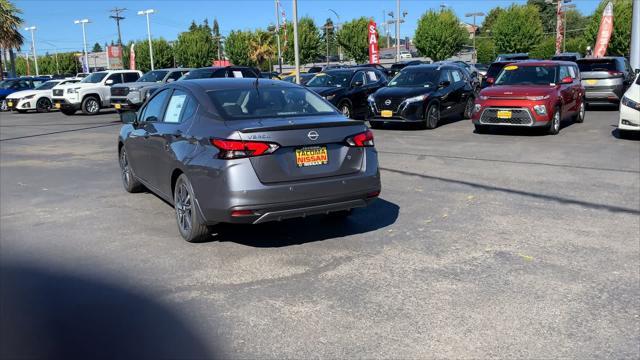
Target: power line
column 117, row 18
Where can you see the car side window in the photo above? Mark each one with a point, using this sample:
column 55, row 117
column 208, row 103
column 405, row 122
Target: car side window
column 445, row 76
column 180, row 108
column 358, row 77
column 130, row 77
column 153, row 110
column 175, row 75
column 572, row 72
column 564, row 72
column 117, row 78
column 247, row 73
column 456, row 76
column 372, row 77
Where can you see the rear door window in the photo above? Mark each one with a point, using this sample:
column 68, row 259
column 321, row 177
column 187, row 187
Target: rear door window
column 130, row 77
column 358, row 77
column 153, row 110
column 116, row 78
column 456, row 76
column 181, row 107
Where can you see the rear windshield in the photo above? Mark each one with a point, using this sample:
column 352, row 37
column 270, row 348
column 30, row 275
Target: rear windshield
column 415, row 78
column 527, row 75
column 251, row 103
column 597, row 65
column 494, row 69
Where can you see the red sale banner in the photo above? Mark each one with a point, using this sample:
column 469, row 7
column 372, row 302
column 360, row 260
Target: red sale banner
column 374, row 56
column 132, row 58
column 604, row 34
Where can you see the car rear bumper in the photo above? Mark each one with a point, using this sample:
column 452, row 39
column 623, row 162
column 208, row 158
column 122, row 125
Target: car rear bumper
column 603, row 94
column 235, row 187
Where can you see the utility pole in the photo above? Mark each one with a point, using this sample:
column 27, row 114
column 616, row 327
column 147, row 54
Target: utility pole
column 277, row 36
column 147, row 12
column 116, row 11
column 33, row 47
column 635, row 36
column 475, row 56
column 296, row 50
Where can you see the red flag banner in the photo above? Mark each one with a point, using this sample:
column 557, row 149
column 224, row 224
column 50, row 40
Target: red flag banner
column 604, row 34
column 374, row 57
column 132, row 57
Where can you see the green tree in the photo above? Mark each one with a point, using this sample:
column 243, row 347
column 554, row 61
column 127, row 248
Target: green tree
column 309, row 43
column 546, row 13
column 328, row 38
column 577, row 44
column 439, row 34
column 10, row 37
column 162, row 54
column 517, row 29
column 238, row 47
column 195, row 47
column 353, row 36
column 96, row 48
column 575, row 24
column 216, row 39
column 621, row 36
column 545, row 49
column 486, row 50
column 490, row 19
column 262, row 48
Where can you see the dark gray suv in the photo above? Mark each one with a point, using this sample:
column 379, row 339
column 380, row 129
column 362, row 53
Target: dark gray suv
column 246, row 151
column 131, row 95
column 605, row 79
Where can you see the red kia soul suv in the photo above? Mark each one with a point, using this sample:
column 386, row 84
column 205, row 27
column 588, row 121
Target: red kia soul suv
column 531, row 94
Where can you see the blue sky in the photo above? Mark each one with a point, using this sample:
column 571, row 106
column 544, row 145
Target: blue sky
column 54, row 18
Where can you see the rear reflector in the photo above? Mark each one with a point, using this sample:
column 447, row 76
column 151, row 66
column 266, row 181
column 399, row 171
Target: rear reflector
column 373, row 194
column 364, row 139
column 238, row 213
column 235, row 149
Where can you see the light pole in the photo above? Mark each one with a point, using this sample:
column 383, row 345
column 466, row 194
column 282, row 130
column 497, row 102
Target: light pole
column 33, row 47
column 397, row 30
column 146, row 13
column 564, row 24
column 336, row 27
column 84, row 40
column 326, row 38
column 296, row 50
column 474, row 29
column 55, row 54
column 277, row 37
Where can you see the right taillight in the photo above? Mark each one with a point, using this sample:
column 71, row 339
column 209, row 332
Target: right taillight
column 363, row 139
column 236, row 149
column 616, row 73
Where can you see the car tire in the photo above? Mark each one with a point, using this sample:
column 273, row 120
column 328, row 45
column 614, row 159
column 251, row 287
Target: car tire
column 376, row 124
column 129, row 181
column 432, row 116
column 468, row 108
column 43, row 105
column 68, row 111
column 190, row 226
column 345, row 109
column 554, row 124
column 90, row 105
column 579, row 118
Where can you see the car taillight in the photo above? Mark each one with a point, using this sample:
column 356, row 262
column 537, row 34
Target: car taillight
column 235, row 149
column 615, row 73
column 363, row 139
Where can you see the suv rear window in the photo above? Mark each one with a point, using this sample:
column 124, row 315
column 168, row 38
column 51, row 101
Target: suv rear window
column 597, row 65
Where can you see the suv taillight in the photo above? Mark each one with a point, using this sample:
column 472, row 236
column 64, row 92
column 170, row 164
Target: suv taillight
column 616, row 73
column 236, row 149
column 364, row 139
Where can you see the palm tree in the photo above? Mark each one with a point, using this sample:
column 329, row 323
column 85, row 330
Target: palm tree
column 261, row 46
column 10, row 37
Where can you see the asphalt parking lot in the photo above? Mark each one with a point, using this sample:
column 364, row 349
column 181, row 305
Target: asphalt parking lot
column 498, row 245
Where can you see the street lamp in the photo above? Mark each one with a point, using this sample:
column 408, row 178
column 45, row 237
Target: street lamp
column 296, row 49
column 84, row 40
column 277, row 30
column 336, row 27
column 33, row 46
column 474, row 29
column 146, row 13
column 564, row 24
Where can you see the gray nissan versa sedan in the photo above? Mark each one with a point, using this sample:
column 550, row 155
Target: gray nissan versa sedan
column 246, row 151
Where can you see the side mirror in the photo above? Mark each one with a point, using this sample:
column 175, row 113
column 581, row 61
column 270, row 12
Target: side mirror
column 171, row 80
column 566, row 80
column 109, row 82
column 357, row 83
column 490, row 80
column 444, row 84
column 151, row 119
column 129, row 117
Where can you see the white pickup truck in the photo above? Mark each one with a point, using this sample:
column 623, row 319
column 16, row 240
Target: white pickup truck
column 92, row 93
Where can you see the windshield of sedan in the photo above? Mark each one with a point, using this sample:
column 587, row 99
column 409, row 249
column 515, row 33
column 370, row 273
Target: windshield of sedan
column 527, row 75
column 94, row 78
column 7, row 84
column 332, row 79
column 415, row 78
column 47, row 85
column 153, row 76
column 251, row 103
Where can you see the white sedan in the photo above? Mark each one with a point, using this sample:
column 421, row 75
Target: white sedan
column 38, row 99
column 630, row 108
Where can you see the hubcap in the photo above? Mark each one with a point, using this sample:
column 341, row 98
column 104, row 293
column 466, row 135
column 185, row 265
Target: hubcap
column 183, row 207
column 43, row 104
column 556, row 121
column 124, row 168
column 581, row 111
column 92, row 106
column 433, row 116
column 469, row 108
column 345, row 111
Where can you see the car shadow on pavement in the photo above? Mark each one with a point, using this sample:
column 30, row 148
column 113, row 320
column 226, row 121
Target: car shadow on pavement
column 50, row 314
column 444, row 121
column 629, row 135
column 379, row 214
column 523, row 131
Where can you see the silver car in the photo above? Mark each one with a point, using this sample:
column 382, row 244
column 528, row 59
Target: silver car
column 246, row 151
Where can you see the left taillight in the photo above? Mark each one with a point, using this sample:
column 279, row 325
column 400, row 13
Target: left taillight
column 363, row 139
column 236, row 149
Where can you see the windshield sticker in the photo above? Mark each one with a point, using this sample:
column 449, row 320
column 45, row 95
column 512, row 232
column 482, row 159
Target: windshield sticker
column 510, row 67
column 393, row 83
column 321, row 74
